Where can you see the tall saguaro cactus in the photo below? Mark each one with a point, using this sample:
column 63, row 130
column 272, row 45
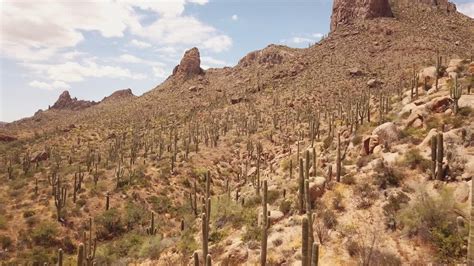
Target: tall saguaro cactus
column 470, row 244
column 434, row 148
column 301, row 188
column 263, row 253
column 338, row 158
column 440, row 155
column 205, row 236
column 315, row 255
column 304, row 242
column 152, row 230
column 455, row 93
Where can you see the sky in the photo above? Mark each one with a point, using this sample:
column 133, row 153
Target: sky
column 93, row 48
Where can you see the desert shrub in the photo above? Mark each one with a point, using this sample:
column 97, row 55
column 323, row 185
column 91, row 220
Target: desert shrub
column 414, row 135
column 365, row 195
column 28, row 213
column 5, row 241
column 226, row 211
column 337, row 201
column 3, row 222
column 285, row 206
column 352, row 247
column 160, row 204
column 109, row 224
column 329, row 219
column 433, row 219
column 433, row 122
column 187, row 243
column 253, row 201
column 44, row 234
column 134, row 214
column 272, row 196
column 364, row 160
column 128, row 245
column 348, row 179
column 414, row 159
column 356, row 140
column 252, row 232
column 388, row 176
column 152, row 248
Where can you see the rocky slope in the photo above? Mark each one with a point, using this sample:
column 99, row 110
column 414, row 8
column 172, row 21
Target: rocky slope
column 250, row 123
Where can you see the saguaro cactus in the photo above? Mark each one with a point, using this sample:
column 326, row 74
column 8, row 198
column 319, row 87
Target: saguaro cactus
column 455, row 93
column 205, row 236
column 434, row 148
column 60, row 197
column 208, row 260
column 263, row 253
column 315, row 255
column 304, row 241
column 470, row 244
column 301, row 188
column 338, row 158
column 440, row 155
column 196, row 259
column 60, row 257
column 80, row 255
column 152, row 230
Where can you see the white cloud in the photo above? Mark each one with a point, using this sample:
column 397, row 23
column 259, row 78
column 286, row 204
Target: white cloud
column 218, row 43
column 38, row 30
column 48, row 86
column 304, row 40
column 185, row 31
column 467, row 9
column 159, row 72
column 76, row 72
column 128, row 58
column 208, row 61
column 140, row 44
column 235, row 17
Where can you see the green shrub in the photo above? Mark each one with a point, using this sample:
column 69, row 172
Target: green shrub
column 109, row 224
column 5, row 241
column 433, row 219
column 285, row 206
column 160, row 204
column 414, row 159
column 45, row 234
column 134, row 215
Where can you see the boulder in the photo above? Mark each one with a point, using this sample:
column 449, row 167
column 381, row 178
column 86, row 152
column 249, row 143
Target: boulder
column 40, row 156
column 387, row 133
column 440, row 104
column 428, row 74
column 368, row 144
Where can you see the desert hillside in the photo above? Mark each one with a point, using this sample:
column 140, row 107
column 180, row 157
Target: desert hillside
column 358, row 150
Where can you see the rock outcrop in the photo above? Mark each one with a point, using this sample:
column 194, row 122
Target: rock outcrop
column 7, row 138
column 65, row 102
column 347, row 11
column 190, row 65
column 119, row 95
column 444, row 5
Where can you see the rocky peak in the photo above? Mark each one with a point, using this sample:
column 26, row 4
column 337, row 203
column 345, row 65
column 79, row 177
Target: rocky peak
column 66, row 102
column 190, row 65
column 346, row 11
column 120, row 94
column 444, row 5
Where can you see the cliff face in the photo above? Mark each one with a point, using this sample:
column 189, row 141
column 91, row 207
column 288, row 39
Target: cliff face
column 346, row 11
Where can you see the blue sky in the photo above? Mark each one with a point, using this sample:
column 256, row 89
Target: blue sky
column 93, row 48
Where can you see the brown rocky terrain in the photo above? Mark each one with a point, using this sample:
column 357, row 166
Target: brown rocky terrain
column 66, row 102
column 358, row 127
